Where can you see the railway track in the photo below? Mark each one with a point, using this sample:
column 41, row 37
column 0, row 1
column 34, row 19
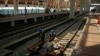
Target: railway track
column 27, row 42
column 22, row 49
column 23, row 28
column 12, row 43
column 10, row 32
column 69, row 36
column 29, row 23
column 70, row 47
column 27, row 32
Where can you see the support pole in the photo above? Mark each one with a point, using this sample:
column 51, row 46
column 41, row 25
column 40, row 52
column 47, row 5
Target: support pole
column 72, row 8
column 32, row 5
column 15, row 2
column 12, row 23
column 38, row 7
column 34, row 19
column 87, row 5
column 32, row 2
column 45, row 4
column 38, row 4
column 26, row 1
column 6, row 3
column 81, row 6
column 43, row 17
column 84, row 5
column 58, row 5
column 25, row 20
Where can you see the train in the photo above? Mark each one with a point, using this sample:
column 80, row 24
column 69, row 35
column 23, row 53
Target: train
column 21, row 10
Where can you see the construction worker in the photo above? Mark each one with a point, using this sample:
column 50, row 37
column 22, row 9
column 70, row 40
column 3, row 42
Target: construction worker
column 41, row 35
column 93, row 12
column 52, row 35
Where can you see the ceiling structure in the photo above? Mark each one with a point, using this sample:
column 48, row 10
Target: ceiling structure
column 48, row 3
column 95, row 1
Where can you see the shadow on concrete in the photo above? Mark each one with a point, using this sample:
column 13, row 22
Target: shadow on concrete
column 93, row 50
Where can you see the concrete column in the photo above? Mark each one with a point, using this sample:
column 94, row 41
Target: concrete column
column 43, row 17
column 53, row 5
column 87, row 5
column 81, row 6
column 26, row 1
column 58, row 5
column 38, row 4
column 12, row 23
column 15, row 2
column 6, row 3
column 67, row 4
column 32, row 5
column 45, row 4
column 34, row 19
column 72, row 8
column 25, row 20
column 33, row 2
